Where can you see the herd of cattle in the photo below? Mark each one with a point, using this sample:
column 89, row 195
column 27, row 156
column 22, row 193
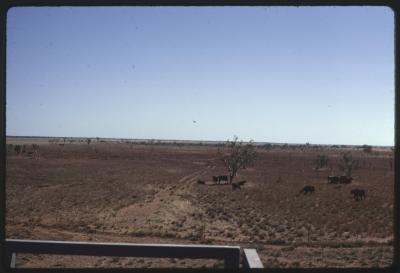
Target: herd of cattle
column 358, row 194
column 220, row 178
column 342, row 179
column 223, row 180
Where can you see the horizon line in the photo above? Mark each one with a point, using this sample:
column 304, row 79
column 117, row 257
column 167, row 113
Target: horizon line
column 194, row 141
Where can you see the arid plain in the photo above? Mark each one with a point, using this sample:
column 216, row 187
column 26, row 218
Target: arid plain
column 148, row 192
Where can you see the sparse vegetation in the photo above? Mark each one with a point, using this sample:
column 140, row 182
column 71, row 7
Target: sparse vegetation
column 267, row 146
column 152, row 196
column 35, row 148
column 17, row 149
column 321, row 161
column 348, row 164
column 367, row 149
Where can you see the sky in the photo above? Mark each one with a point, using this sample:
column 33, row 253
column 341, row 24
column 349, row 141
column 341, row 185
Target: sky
column 323, row 75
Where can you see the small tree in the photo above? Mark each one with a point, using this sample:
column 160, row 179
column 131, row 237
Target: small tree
column 237, row 156
column 267, row 146
column 348, row 164
column 367, row 149
column 17, row 149
column 321, row 161
column 35, row 148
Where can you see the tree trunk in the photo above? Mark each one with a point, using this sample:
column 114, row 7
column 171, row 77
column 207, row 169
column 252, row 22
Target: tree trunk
column 349, row 172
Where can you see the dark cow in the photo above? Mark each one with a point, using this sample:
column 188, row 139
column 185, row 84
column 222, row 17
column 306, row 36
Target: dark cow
column 345, row 180
column 333, row 179
column 222, row 178
column 215, row 179
column 235, row 186
column 307, row 189
column 358, row 194
column 201, row 182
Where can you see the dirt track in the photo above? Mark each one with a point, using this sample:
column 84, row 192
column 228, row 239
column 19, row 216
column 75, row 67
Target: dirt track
column 111, row 192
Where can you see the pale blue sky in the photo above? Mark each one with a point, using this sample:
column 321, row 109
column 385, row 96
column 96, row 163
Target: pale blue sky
column 323, row 75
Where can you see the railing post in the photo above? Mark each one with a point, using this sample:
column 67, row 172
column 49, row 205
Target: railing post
column 10, row 259
column 251, row 259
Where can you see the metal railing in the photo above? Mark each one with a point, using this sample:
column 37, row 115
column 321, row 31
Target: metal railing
column 230, row 254
column 251, row 259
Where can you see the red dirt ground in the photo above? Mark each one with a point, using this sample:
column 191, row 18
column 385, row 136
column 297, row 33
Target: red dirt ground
column 116, row 192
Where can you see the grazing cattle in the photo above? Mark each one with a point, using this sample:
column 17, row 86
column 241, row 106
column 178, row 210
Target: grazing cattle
column 358, row 194
column 307, row 189
column 222, row 178
column 241, row 183
column 235, row 186
column 345, row 180
column 201, row 182
column 333, row 179
column 215, row 179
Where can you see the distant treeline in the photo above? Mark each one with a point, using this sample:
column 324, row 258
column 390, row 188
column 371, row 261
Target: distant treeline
column 265, row 145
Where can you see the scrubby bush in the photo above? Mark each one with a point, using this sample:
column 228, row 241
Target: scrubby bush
column 267, row 146
column 321, row 161
column 348, row 164
column 367, row 149
column 17, row 149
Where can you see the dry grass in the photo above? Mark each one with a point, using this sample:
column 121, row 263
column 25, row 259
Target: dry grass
column 148, row 193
